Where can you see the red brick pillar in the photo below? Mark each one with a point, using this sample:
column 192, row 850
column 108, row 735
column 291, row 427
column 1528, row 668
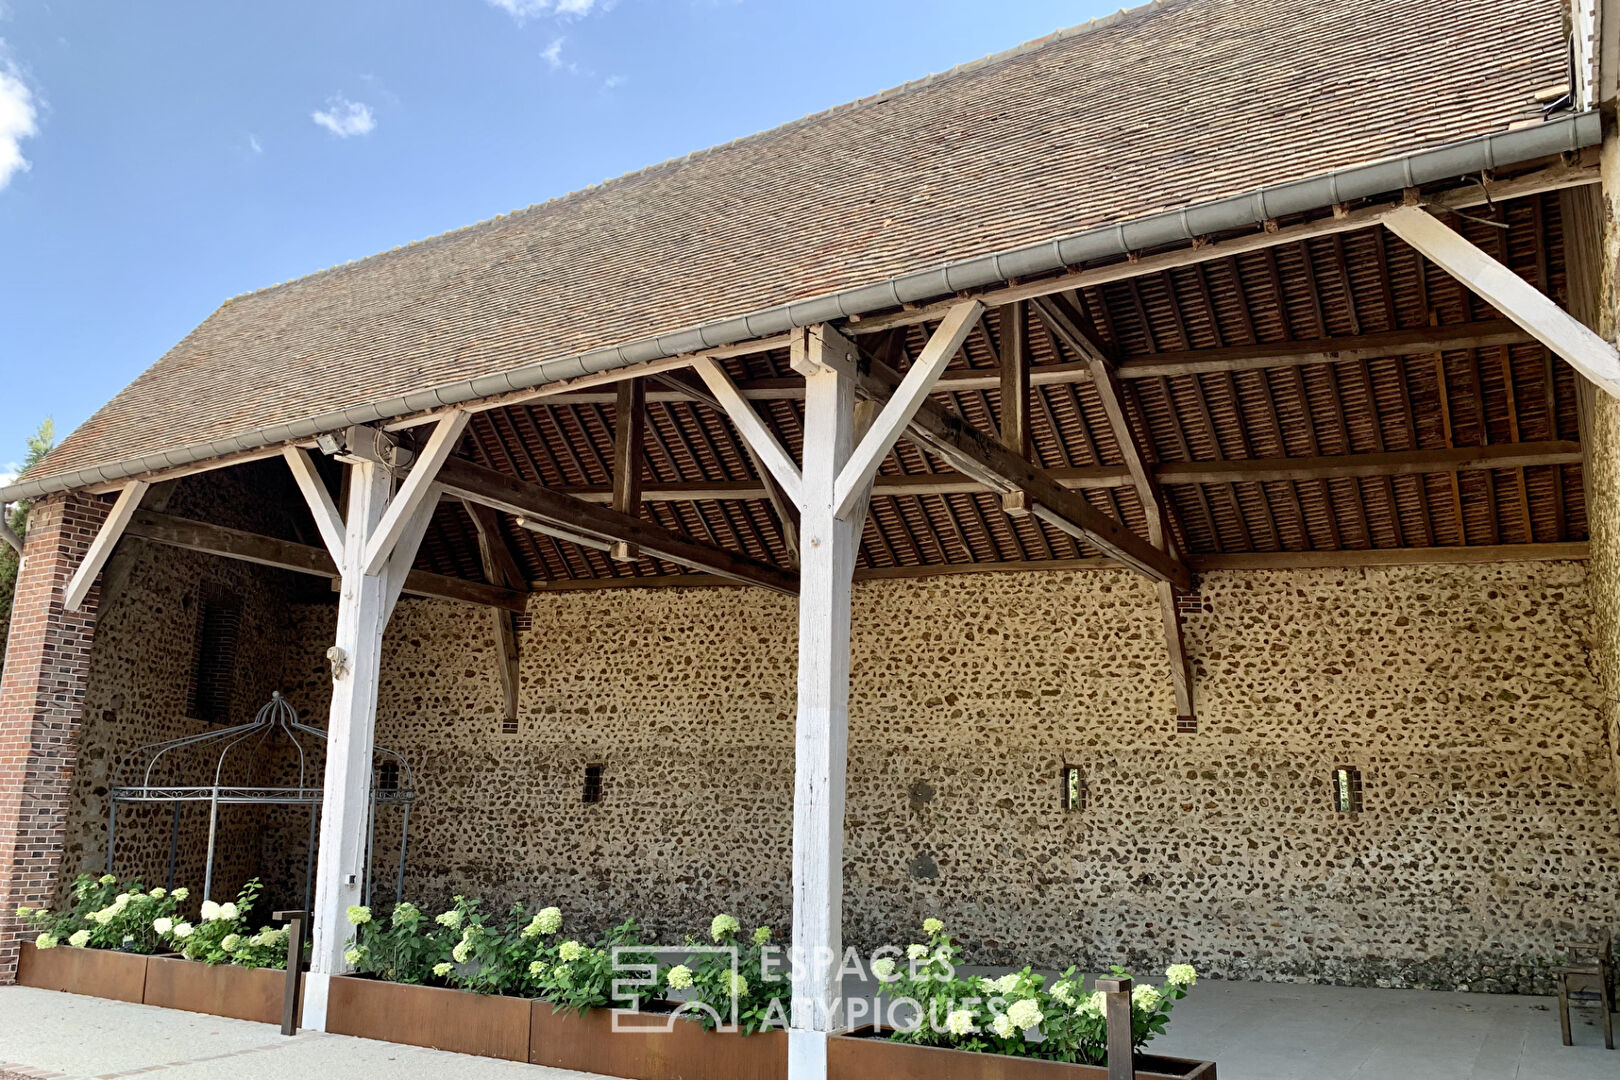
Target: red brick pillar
column 41, row 706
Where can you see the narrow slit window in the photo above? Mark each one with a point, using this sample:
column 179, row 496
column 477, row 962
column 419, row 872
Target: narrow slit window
column 219, row 624
column 1074, row 788
column 1347, row 789
column 593, row 783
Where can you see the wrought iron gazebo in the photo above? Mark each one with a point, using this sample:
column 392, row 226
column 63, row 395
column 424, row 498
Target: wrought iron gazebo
column 244, row 772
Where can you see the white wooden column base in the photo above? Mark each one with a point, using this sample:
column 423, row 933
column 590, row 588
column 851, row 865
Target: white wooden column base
column 807, row 1054
column 316, row 986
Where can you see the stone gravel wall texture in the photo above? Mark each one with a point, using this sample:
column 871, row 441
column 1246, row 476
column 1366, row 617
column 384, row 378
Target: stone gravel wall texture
column 1463, row 694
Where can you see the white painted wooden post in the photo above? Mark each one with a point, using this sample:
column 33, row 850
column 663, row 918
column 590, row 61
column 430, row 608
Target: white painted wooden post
column 356, row 663
column 827, row 564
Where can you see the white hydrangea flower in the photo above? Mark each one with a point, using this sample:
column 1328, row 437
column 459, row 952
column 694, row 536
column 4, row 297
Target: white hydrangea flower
column 451, row 918
column 462, row 950
column 441, row 970
column 916, row 952
column 183, row 930
column 570, row 951
column 1094, row 1005
column 679, row 977
column 1025, row 1014
column 163, row 925
column 121, row 901
column 358, row 915
column 762, row 934
column 932, row 926
column 549, row 920
column 883, row 967
column 227, row 911
column 1002, row 1025
column 351, row 957
column 24, row 911
column 210, row 911
column 1146, row 997
column 988, row 986
column 1063, row 994
column 739, row 985
column 45, row 941
column 229, row 943
column 1180, row 975
column 723, row 925
column 79, row 939
column 960, row 1022
column 405, row 912
column 108, row 879
column 563, row 974
column 180, row 894
column 1008, row 982
column 537, row 968
column 158, row 893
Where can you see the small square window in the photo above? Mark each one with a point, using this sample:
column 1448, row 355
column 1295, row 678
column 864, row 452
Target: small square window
column 593, row 783
column 1074, row 788
column 1347, row 789
column 388, row 776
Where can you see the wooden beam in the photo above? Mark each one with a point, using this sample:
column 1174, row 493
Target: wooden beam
column 302, row 559
column 319, row 500
column 415, row 492
column 1014, row 379
column 629, row 437
column 1510, row 294
column 1225, row 471
column 520, row 498
column 759, row 438
column 1062, row 321
column 500, row 565
column 1349, row 558
column 951, row 439
column 855, row 478
column 1413, row 341
column 129, row 500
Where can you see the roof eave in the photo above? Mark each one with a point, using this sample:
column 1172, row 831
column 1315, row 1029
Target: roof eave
column 1567, row 133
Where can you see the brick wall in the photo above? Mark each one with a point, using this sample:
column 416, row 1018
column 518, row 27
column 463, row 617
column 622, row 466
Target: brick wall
column 41, row 707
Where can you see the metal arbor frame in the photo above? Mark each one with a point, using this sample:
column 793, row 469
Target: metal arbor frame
column 237, row 781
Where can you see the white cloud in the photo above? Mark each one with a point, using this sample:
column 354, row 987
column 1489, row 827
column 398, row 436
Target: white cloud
column 612, row 81
column 344, row 118
column 9, row 472
column 552, row 54
column 529, row 9
column 17, row 116
column 253, row 143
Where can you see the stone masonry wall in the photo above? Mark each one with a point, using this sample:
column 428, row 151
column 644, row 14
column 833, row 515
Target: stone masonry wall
column 1463, row 694
column 141, row 672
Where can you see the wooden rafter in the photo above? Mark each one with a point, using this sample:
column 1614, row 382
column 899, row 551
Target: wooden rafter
column 629, row 433
column 521, row 498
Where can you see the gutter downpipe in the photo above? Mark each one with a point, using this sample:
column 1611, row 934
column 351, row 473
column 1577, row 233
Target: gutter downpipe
column 1568, row 133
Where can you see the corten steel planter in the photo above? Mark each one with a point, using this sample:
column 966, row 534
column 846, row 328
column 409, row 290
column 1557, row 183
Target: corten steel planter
column 97, row 972
column 652, row 1046
column 217, row 989
column 457, row 1020
column 863, row 1054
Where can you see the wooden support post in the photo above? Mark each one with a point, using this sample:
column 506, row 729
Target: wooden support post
column 296, row 922
column 821, row 736
column 1014, row 356
column 101, row 548
column 629, row 432
column 500, row 568
column 1117, row 1014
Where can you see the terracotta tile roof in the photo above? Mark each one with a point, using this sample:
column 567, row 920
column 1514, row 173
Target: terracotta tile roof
column 1174, row 103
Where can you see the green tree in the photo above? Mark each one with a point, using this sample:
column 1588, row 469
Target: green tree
column 39, row 444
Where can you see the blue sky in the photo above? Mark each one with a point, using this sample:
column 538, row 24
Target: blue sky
column 157, row 158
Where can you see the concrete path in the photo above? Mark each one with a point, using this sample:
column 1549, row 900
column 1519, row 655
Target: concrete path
column 1254, row 1031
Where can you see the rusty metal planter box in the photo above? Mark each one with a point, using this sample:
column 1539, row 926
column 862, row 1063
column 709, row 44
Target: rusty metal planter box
column 97, row 972
column 658, row 1047
column 219, row 989
column 457, row 1020
column 859, row 1057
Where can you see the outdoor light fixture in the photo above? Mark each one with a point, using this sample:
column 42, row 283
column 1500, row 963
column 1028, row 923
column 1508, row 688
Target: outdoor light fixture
column 328, row 444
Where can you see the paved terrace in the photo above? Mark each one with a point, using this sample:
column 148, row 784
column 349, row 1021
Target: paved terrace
column 1255, row 1031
